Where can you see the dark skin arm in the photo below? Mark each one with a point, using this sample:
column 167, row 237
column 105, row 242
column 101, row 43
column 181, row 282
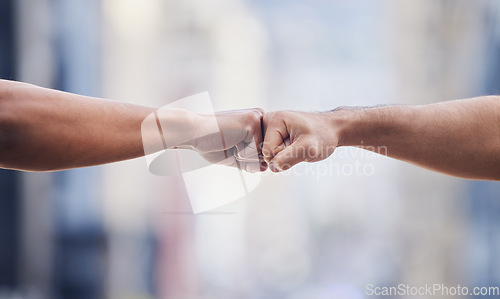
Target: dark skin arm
column 46, row 130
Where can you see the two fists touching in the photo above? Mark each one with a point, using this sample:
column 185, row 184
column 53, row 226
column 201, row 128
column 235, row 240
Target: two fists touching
column 43, row 129
column 48, row 130
column 254, row 140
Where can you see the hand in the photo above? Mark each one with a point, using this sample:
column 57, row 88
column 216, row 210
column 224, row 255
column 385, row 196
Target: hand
column 291, row 137
column 231, row 138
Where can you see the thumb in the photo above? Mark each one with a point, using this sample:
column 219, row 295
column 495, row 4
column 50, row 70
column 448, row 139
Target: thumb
column 302, row 149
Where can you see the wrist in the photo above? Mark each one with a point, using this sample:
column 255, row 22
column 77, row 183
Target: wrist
column 343, row 120
column 375, row 126
column 178, row 127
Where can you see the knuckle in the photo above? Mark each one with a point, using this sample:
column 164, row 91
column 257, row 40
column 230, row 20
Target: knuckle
column 280, row 114
column 258, row 111
column 249, row 128
column 252, row 118
column 266, row 118
column 273, row 118
column 266, row 151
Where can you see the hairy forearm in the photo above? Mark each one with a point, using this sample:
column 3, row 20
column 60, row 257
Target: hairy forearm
column 460, row 138
column 43, row 129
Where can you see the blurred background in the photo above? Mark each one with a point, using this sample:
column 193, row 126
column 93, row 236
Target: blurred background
column 325, row 230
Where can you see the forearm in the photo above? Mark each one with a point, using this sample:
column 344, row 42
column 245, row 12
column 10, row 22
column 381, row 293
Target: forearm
column 460, row 138
column 43, row 129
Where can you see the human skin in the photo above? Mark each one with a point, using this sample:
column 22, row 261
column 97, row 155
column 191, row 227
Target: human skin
column 459, row 138
column 48, row 130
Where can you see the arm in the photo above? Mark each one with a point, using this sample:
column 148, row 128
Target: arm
column 43, row 129
column 459, row 138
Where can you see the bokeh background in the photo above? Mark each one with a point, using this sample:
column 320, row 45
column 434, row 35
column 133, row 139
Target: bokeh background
column 117, row 231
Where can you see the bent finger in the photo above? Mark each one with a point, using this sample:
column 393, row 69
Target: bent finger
column 297, row 152
column 275, row 132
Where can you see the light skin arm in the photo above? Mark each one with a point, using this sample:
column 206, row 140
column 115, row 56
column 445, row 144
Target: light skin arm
column 459, row 138
column 46, row 130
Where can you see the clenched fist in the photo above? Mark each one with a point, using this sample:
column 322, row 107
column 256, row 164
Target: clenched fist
column 291, row 137
column 238, row 142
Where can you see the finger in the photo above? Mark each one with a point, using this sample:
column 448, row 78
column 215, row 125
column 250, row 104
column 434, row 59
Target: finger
column 255, row 141
column 257, row 137
column 224, row 157
column 239, row 126
column 251, row 163
column 275, row 132
column 287, row 141
column 227, row 158
column 246, row 166
column 246, row 152
column 281, row 147
column 252, row 167
column 299, row 151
